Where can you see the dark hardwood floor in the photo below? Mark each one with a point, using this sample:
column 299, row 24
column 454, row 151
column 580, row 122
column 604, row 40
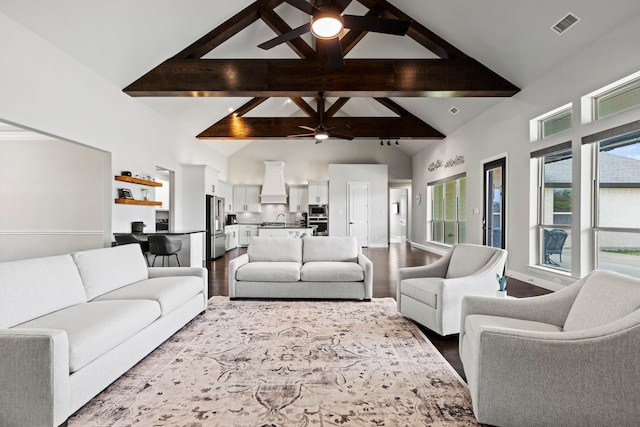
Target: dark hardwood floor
column 386, row 262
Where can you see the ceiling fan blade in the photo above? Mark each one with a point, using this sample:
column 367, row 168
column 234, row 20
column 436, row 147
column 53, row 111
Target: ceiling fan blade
column 307, row 128
column 319, row 141
column 337, row 135
column 303, row 6
column 296, row 32
column 334, row 53
column 377, row 25
column 340, row 5
column 301, row 135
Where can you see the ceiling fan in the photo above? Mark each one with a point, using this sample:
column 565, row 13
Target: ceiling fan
column 327, row 22
column 321, row 132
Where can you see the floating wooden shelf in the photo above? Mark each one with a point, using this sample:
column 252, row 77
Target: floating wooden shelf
column 138, row 202
column 138, row 181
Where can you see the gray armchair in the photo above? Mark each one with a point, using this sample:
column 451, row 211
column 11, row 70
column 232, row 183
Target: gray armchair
column 569, row 358
column 432, row 294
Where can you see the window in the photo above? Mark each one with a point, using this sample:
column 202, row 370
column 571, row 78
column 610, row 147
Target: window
column 617, row 100
column 447, row 218
column 551, row 123
column 557, row 123
column 555, row 167
column 617, row 200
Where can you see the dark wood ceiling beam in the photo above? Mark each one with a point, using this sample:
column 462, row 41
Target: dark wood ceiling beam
column 335, row 107
column 393, row 106
column 226, row 30
column 304, row 106
column 452, row 77
column 277, row 24
column 418, row 32
column 249, row 106
column 250, row 128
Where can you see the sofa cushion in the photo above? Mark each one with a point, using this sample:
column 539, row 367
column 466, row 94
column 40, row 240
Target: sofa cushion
column 468, row 259
column 169, row 292
column 96, row 327
column 269, row 271
column 605, row 296
column 35, row 287
column 423, row 289
column 331, row 271
column 104, row 270
column 264, row 249
column 327, row 248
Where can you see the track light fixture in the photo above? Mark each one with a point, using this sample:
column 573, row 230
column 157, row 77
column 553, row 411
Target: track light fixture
column 388, row 140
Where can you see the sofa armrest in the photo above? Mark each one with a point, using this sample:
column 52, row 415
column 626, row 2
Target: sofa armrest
column 234, row 264
column 34, row 373
column 367, row 265
column 555, row 377
column 201, row 272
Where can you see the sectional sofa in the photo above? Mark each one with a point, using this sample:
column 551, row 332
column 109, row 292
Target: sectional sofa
column 320, row 267
column 72, row 324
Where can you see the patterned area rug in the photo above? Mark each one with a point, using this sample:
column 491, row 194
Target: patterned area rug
column 288, row 363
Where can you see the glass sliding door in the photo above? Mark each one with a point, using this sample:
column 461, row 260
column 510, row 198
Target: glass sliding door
column 494, row 219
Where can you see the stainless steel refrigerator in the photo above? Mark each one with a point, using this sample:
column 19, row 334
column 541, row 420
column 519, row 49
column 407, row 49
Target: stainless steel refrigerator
column 215, row 227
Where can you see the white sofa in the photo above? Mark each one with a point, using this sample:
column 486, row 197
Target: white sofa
column 320, row 267
column 72, row 324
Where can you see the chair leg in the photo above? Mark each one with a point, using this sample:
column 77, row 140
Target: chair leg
column 178, row 260
column 153, row 264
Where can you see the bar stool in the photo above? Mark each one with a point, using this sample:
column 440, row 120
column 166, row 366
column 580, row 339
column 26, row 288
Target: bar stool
column 165, row 247
column 128, row 239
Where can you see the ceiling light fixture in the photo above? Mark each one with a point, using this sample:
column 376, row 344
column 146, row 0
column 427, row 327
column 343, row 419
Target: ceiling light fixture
column 381, row 142
column 397, row 143
column 321, row 135
column 326, row 25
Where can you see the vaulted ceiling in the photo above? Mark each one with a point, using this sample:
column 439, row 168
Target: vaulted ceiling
column 450, row 74
column 122, row 40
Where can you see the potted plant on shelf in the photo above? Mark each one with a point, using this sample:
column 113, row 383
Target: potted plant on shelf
column 502, row 286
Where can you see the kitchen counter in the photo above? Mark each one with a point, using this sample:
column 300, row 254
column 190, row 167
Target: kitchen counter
column 281, row 225
column 193, row 249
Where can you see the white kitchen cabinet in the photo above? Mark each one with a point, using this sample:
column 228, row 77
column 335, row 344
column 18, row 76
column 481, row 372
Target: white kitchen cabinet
column 245, row 233
column 231, row 237
column 298, row 198
column 246, row 198
column 318, row 192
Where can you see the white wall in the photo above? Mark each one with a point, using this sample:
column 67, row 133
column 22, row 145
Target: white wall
column 44, row 89
column 504, row 130
column 59, row 204
column 377, row 177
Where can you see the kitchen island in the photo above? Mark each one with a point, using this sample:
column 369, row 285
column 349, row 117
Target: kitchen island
column 282, row 229
column 192, row 252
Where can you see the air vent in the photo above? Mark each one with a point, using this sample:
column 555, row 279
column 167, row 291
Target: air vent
column 454, row 110
column 565, row 23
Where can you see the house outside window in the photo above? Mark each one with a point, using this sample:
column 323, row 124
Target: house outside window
column 446, row 222
column 617, row 222
column 555, row 167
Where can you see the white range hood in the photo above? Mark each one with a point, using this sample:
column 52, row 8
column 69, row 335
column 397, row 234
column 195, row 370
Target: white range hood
column 274, row 189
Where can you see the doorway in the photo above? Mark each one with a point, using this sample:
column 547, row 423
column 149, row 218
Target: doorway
column 358, row 214
column 165, row 214
column 398, row 199
column 494, row 210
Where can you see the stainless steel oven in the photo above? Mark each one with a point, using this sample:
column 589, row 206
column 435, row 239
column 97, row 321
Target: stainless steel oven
column 318, row 210
column 321, row 223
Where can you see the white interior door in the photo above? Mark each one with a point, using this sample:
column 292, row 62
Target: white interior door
column 358, row 215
